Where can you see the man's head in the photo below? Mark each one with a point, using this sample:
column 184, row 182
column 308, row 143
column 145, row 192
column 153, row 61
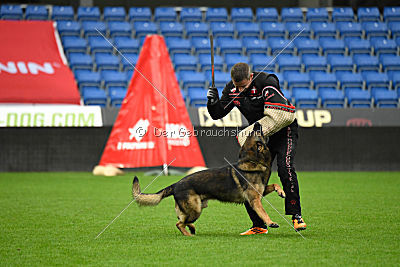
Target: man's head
column 241, row 75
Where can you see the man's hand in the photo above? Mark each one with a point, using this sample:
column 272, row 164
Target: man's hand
column 212, row 95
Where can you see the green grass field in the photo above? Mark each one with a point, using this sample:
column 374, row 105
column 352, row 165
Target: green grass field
column 53, row 219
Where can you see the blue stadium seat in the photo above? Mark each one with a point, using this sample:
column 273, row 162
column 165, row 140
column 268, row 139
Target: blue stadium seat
column 69, row 28
column 196, row 28
column 385, row 98
column 201, row 44
column 375, row 29
column 140, row 14
column 165, row 14
column 80, row 61
column 333, row 46
column 95, row 97
column 197, row 97
column 368, row 14
column 314, row 62
column 317, row 14
column 280, row 45
column 262, row 62
column 36, row 13
column 116, row 96
column 358, row 98
column 88, row 13
column 62, row 13
column 384, row 46
column 129, row 61
column 291, row 14
column 92, row 28
column 221, row 78
column 222, row 28
column 241, row 14
column 272, row 29
column 12, row 12
column 115, row 13
column 106, row 62
column 254, row 45
column 185, row 62
column 305, row 98
column 87, row 78
column 358, row 46
column 323, row 79
column 179, row 45
column 348, row 79
column 216, row 14
column 298, row 29
column 126, row 44
column 114, row 78
column 395, row 78
column 323, row 29
column 244, row 29
column 340, row 63
column 205, row 62
column 119, row 28
column 306, row 46
column 99, row 44
column 390, row 62
column 342, row 14
column 171, row 28
column 232, row 59
column 349, row 29
column 332, row 98
column 143, row 28
column 366, row 62
column 190, row 14
column 297, row 79
column 288, row 62
column 391, row 14
column 266, row 14
column 394, row 27
column 74, row 44
column 376, row 79
column 229, row 45
column 191, row 79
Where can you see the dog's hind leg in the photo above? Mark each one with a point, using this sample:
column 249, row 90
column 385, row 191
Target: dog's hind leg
column 192, row 229
column 274, row 187
column 181, row 220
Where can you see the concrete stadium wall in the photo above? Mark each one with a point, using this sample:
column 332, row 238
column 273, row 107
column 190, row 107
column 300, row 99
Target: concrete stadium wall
column 319, row 149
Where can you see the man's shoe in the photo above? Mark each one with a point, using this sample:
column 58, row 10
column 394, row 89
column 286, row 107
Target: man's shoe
column 255, row 231
column 298, row 223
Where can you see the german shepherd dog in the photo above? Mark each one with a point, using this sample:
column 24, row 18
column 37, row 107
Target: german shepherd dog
column 246, row 181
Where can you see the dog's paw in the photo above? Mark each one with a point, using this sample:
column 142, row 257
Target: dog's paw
column 281, row 194
column 273, row 225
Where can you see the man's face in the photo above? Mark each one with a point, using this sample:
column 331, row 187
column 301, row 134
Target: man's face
column 243, row 84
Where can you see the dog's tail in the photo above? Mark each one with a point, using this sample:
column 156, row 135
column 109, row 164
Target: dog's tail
column 149, row 199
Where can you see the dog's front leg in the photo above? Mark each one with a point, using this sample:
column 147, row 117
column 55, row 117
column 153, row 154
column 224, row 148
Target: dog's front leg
column 255, row 203
column 274, row 187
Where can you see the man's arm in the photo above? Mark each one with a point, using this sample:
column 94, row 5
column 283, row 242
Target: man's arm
column 218, row 108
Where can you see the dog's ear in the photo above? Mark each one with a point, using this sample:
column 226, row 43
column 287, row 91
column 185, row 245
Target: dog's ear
column 257, row 128
column 251, row 167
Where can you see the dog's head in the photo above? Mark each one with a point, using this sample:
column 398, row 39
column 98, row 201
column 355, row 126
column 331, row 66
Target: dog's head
column 255, row 150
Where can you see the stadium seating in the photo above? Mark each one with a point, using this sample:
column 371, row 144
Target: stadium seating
column 332, row 98
column 305, row 98
column 385, row 98
column 266, row 14
column 114, row 14
column 361, row 50
column 117, row 95
column 94, row 96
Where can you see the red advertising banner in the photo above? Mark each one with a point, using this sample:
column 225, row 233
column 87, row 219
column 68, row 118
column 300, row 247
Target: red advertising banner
column 153, row 127
column 33, row 68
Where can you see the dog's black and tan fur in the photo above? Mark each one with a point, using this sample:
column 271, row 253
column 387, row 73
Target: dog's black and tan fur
column 246, row 183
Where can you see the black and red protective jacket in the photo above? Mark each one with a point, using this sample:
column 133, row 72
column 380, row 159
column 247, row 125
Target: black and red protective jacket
column 263, row 92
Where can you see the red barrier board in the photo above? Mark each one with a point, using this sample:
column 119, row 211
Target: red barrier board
column 33, row 68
